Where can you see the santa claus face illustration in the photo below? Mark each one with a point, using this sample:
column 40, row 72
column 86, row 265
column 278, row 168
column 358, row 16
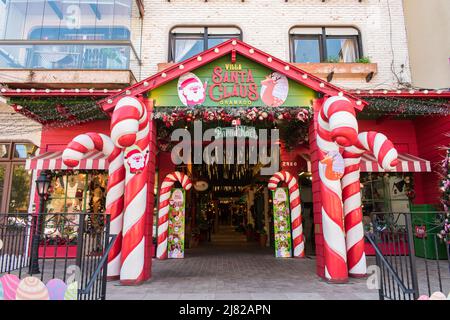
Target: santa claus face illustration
column 191, row 90
column 135, row 160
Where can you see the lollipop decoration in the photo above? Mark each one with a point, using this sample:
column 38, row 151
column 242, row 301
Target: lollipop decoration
column 73, row 154
column 337, row 126
column 386, row 154
column 294, row 202
column 163, row 212
column 130, row 130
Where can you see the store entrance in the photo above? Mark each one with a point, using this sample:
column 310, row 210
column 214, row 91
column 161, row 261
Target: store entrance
column 232, row 212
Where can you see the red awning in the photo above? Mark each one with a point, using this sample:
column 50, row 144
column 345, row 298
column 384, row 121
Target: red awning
column 407, row 163
column 93, row 160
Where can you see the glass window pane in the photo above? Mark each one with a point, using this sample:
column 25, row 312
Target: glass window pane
column 342, row 50
column 212, row 42
column 20, row 189
column 56, row 202
column 341, row 31
column 15, row 19
column 122, row 20
column 186, row 48
column 96, row 193
column 75, row 192
column 307, row 50
column 4, row 150
column 306, row 31
column 33, row 22
column 24, row 150
column 52, row 20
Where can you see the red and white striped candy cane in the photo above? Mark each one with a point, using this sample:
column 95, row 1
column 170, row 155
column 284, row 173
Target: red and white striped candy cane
column 72, row 155
column 163, row 211
column 337, row 126
column 294, row 204
column 386, row 154
column 130, row 127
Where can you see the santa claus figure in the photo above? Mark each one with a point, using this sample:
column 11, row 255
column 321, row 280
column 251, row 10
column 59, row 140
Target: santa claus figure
column 136, row 160
column 191, row 91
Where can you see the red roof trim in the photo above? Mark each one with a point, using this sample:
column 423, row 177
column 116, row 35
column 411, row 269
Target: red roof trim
column 221, row 50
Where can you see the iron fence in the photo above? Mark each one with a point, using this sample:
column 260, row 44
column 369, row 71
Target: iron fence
column 412, row 260
column 71, row 247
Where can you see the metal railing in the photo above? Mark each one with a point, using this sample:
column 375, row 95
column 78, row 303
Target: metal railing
column 72, row 247
column 406, row 269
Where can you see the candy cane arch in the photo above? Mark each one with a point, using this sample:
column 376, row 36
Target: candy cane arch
column 294, row 203
column 386, row 154
column 130, row 127
column 163, row 210
column 337, row 126
column 74, row 152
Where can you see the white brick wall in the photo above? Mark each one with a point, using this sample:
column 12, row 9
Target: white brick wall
column 266, row 23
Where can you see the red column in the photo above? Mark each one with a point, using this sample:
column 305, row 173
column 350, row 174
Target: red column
column 150, row 195
column 317, row 202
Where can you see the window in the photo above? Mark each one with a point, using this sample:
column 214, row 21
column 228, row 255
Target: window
column 15, row 180
column 323, row 44
column 78, row 192
column 65, row 20
column 186, row 42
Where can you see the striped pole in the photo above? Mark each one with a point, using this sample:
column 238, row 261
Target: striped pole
column 130, row 128
column 71, row 157
column 163, row 211
column 386, row 154
column 337, row 126
column 294, row 203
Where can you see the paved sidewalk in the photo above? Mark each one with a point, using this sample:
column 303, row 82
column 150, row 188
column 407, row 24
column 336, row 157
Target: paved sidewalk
column 234, row 270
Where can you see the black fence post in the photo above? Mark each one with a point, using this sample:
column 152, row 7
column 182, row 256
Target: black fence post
column 105, row 266
column 412, row 255
column 80, row 240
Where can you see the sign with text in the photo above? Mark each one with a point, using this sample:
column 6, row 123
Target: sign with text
column 244, row 83
column 282, row 223
column 175, row 241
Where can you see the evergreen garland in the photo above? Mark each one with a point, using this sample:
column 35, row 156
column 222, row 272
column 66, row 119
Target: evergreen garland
column 407, row 106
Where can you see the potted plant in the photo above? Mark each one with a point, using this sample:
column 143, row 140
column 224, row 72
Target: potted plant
column 249, row 232
column 263, row 237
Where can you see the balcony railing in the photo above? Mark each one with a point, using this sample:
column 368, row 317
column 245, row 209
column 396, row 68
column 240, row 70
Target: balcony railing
column 106, row 55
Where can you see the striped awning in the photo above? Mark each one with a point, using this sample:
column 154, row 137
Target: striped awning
column 407, row 163
column 93, row 160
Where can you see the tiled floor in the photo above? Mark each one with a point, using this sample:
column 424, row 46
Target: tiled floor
column 232, row 269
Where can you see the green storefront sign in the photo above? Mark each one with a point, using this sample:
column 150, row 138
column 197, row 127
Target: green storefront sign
column 176, row 237
column 225, row 84
column 282, row 223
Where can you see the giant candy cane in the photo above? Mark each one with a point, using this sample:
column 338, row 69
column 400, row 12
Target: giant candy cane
column 130, row 127
column 386, row 154
column 337, row 126
column 163, row 212
column 294, row 203
column 72, row 155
